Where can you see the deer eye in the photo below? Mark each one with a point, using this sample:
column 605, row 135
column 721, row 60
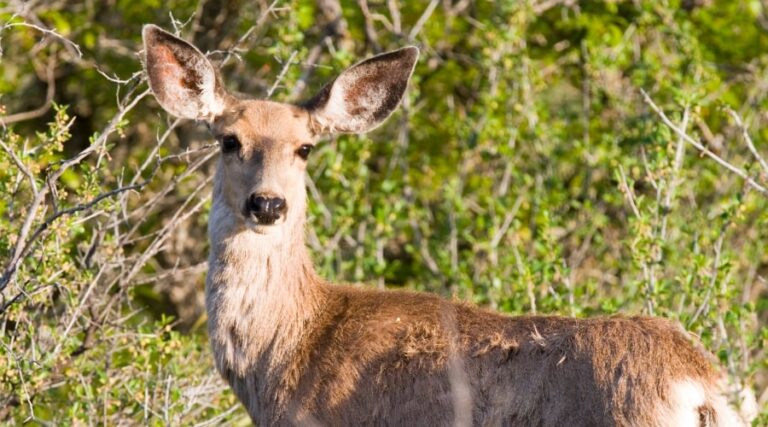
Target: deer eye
column 230, row 144
column 304, row 151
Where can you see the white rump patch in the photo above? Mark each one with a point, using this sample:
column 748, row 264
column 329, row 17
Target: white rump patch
column 685, row 399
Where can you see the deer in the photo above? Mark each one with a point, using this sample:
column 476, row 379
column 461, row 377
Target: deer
column 297, row 350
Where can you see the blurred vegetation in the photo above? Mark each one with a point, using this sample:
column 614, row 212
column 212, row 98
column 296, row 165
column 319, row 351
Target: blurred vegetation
column 525, row 172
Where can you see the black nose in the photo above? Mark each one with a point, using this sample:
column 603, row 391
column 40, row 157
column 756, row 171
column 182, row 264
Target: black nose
column 266, row 209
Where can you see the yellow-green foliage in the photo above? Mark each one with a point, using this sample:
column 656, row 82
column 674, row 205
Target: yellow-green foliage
column 525, row 172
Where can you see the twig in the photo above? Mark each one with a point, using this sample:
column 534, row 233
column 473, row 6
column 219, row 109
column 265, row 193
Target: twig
column 259, row 22
column 713, row 278
column 674, row 179
column 648, row 272
column 335, row 29
column 394, row 13
column 423, row 19
column 281, row 76
column 545, row 5
column 41, row 110
column 628, row 191
column 370, row 31
column 218, row 418
column 49, row 32
column 748, row 140
column 187, row 153
column 19, row 164
column 23, row 244
column 85, row 206
column 508, row 218
column 738, row 171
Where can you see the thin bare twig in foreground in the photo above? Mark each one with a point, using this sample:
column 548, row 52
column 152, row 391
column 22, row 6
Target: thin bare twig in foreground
column 50, row 91
column 48, row 32
column 674, row 179
column 232, row 51
column 23, row 244
column 704, row 150
column 648, row 272
column 423, row 19
column 281, row 76
column 21, row 166
column 748, row 140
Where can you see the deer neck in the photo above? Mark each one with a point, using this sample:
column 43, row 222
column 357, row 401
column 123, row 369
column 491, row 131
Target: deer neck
column 261, row 292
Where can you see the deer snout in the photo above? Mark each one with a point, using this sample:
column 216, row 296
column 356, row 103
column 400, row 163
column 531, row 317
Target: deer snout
column 265, row 208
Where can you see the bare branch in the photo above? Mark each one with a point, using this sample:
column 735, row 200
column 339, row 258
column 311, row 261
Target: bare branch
column 281, row 76
column 423, row 19
column 704, row 150
column 674, row 180
column 232, row 51
column 748, row 140
column 394, row 12
column 48, row 32
column 19, row 164
column 545, row 5
column 370, row 32
column 22, row 243
column 41, row 110
column 628, row 193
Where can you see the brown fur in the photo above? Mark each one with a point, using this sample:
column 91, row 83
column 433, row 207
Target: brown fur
column 376, row 356
column 297, row 350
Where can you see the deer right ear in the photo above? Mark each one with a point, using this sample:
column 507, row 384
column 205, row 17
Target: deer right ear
column 184, row 82
column 364, row 95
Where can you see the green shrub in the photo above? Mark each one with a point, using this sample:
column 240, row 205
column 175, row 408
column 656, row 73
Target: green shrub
column 525, row 172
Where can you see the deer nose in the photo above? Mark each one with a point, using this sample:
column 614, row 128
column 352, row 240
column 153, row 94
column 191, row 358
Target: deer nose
column 266, row 209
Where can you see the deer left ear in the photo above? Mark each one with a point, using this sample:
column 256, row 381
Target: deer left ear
column 364, row 95
column 184, row 82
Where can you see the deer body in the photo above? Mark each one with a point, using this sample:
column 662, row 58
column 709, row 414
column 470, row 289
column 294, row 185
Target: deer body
column 297, row 350
column 305, row 352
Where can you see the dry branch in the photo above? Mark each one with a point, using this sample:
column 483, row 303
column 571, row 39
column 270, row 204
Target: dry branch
column 703, row 149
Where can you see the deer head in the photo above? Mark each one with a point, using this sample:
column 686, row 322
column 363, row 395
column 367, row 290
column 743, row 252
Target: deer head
column 265, row 145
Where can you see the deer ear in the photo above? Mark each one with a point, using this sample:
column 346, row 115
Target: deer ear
column 184, row 82
column 364, row 95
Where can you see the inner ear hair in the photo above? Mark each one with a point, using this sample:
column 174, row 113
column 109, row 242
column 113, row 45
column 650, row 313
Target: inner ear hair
column 364, row 95
column 183, row 80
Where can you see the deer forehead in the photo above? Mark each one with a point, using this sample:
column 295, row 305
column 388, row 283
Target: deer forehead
column 253, row 121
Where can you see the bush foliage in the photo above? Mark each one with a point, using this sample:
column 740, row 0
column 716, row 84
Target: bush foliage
column 558, row 157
